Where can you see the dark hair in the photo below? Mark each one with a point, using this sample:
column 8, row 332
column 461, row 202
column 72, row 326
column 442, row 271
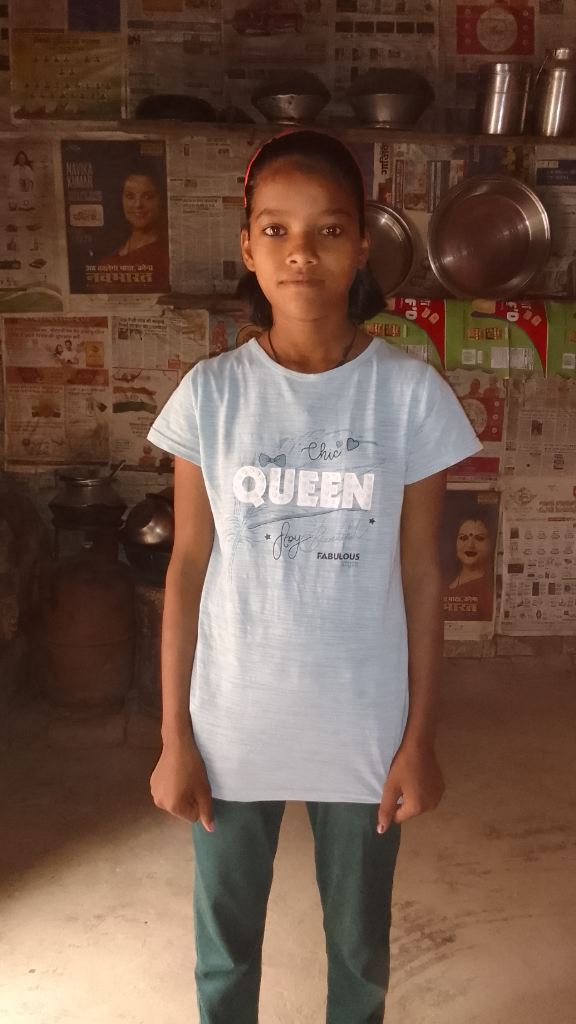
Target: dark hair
column 319, row 151
column 25, row 155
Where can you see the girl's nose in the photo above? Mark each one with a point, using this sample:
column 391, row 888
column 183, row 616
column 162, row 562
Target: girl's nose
column 302, row 253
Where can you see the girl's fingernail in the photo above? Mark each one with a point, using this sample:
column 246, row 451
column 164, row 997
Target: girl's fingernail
column 380, row 828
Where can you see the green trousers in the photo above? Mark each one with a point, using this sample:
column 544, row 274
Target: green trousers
column 233, row 876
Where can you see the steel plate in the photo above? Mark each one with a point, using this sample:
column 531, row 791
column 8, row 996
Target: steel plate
column 391, row 246
column 488, row 237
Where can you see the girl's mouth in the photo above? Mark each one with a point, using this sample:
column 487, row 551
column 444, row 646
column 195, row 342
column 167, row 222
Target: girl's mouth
column 303, row 282
column 470, row 554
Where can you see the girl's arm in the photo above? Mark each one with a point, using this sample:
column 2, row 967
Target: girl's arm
column 415, row 774
column 179, row 783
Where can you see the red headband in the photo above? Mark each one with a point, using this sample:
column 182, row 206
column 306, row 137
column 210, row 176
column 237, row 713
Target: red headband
column 290, row 131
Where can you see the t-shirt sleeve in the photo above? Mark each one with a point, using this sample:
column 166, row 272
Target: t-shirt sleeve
column 441, row 434
column 175, row 429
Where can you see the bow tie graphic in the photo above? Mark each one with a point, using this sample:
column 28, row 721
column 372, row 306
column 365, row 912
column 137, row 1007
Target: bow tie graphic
column 265, row 460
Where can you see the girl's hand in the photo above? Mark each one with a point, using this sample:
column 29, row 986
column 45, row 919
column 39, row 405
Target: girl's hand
column 179, row 784
column 415, row 775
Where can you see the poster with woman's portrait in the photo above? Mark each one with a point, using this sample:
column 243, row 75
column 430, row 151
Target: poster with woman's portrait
column 468, row 549
column 116, row 216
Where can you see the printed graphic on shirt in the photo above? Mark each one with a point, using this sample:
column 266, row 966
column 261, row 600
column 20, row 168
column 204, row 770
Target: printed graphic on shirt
column 287, row 494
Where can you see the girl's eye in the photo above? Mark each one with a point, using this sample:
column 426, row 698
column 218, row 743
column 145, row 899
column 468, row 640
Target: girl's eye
column 332, row 231
column 273, row 231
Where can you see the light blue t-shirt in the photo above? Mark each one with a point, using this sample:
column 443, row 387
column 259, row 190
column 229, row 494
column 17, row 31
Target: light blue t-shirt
column 300, row 682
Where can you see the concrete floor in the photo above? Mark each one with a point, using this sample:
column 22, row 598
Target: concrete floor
column 95, row 883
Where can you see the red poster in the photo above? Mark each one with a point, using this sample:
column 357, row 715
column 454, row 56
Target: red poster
column 495, row 29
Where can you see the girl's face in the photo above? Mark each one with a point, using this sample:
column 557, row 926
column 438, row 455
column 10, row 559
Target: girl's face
column 473, row 544
column 21, row 159
column 304, row 243
column 140, row 202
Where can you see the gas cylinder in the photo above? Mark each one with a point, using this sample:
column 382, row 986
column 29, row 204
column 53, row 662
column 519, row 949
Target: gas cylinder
column 85, row 631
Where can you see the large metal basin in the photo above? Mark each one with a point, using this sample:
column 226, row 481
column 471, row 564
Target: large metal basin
column 488, row 238
column 390, row 110
column 290, row 108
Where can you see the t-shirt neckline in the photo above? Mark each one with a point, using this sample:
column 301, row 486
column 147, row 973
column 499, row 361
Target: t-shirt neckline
column 333, row 374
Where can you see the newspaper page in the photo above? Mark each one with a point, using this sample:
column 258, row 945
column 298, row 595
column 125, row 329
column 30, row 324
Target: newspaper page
column 541, row 439
column 261, row 39
column 116, row 216
column 168, row 342
column 539, row 574
column 138, row 397
column 60, row 15
column 367, row 34
column 174, row 47
column 31, row 267
column 199, row 166
column 57, row 389
column 556, row 25
column 556, row 187
column 151, row 354
column 205, row 242
column 468, row 542
column 66, row 75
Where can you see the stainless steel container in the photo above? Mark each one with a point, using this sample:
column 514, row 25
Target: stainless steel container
column 555, row 104
column 502, row 98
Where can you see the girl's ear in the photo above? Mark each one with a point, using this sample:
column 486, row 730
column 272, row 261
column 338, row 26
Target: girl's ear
column 246, row 249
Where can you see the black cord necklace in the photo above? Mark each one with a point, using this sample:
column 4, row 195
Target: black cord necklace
column 345, row 353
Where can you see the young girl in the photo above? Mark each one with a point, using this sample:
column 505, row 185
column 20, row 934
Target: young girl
column 304, row 594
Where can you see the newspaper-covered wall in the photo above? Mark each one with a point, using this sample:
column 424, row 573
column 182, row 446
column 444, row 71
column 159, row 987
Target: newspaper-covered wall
column 539, row 577
column 86, row 371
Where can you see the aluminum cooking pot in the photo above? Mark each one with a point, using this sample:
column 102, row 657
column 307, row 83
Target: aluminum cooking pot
column 150, row 522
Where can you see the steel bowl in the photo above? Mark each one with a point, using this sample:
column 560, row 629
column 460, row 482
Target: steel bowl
column 390, row 97
column 391, row 247
column 488, row 238
column 150, row 523
column 389, row 110
column 291, row 97
column 290, row 108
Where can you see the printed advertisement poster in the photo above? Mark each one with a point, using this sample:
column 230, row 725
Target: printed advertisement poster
column 541, row 434
column 138, row 397
column 66, row 75
column 539, row 577
column 561, row 339
column 31, row 261
column 503, row 338
column 57, row 382
column 264, row 38
column 229, row 331
column 174, row 47
column 468, row 550
column 174, row 341
column 116, row 216
column 483, row 398
column 418, row 326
